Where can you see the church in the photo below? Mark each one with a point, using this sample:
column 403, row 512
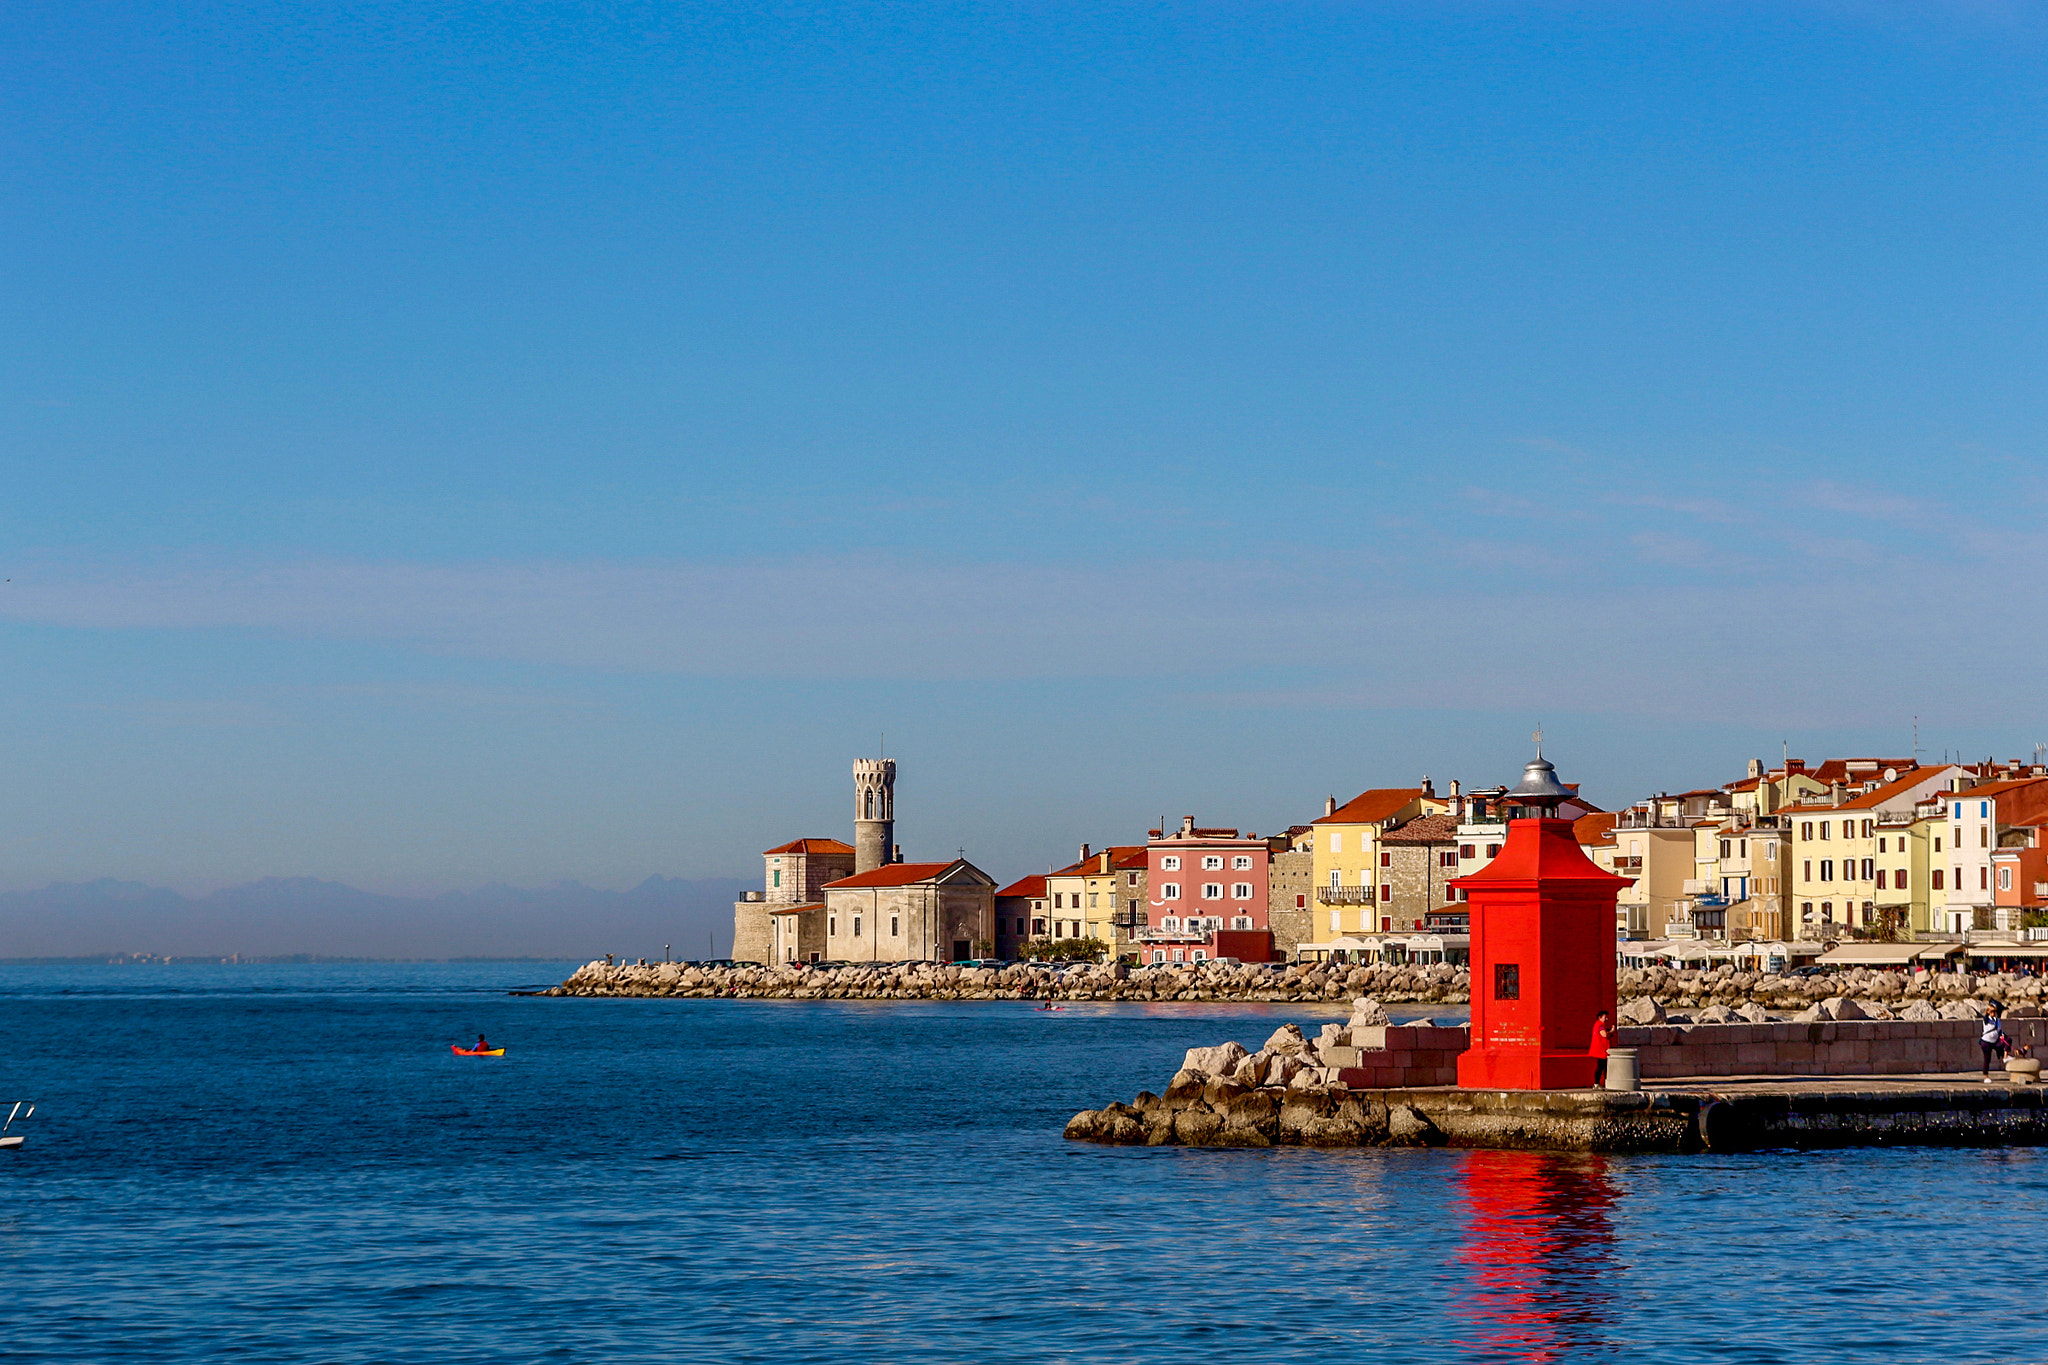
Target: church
column 826, row 901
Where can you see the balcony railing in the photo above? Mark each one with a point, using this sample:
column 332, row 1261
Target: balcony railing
column 1344, row 895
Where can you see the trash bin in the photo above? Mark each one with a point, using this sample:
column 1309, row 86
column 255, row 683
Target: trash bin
column 1621, row 1069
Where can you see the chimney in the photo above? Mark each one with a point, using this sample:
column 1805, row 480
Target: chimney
column 896, row 854
column 1457, row 802
column 1756, row 767
column 1428, row 787
column 1187, row 827
column 1084, row 854
column 1329, row 805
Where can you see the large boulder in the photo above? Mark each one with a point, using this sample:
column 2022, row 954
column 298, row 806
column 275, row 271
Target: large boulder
column 1367, row 1012
column 1919, row 1011
column 1640, row 1012
column 1753, row 1013
column 1287, row 1039
column 1221, row 1060
column 1841, row 1007
column 1717, row 1014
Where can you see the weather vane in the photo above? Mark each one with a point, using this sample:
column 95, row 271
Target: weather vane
column 1538, row 737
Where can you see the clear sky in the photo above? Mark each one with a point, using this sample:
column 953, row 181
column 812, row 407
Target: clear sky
column 453, row 442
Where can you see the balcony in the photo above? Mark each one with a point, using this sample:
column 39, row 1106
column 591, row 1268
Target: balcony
column 1344, row 895
column 1627, row 867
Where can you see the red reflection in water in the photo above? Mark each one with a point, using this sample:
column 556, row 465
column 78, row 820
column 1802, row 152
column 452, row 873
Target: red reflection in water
column 1538, row 1254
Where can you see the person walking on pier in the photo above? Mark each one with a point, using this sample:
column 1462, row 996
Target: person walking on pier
column 1991, row 1038
column 1597, row 1048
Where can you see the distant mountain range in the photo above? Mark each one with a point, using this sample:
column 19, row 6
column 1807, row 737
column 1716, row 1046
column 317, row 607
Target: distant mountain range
column 302, row 916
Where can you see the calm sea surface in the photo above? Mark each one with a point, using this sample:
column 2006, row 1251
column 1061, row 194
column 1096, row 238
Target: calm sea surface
column 287, row 1164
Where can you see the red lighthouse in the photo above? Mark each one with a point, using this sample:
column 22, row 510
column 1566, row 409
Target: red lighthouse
column 1542, row 949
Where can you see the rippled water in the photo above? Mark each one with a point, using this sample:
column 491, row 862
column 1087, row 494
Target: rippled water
column 287, row 1164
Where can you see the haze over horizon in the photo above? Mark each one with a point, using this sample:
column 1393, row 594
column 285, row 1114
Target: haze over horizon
column 466, row 444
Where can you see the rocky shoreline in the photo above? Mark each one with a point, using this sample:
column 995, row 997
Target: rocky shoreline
column 1295, row 983
column 1880, row 993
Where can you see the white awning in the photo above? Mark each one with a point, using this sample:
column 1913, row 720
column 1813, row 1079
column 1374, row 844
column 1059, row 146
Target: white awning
column 1870, row 954
column 2008, row 950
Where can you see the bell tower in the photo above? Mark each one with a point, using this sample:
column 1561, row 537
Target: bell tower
column 874, row 813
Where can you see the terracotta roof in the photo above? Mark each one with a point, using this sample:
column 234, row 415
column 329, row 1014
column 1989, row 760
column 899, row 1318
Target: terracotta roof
column 1371, row 807
column 797, row 909
column 810, row 846
column 895, row 874
column 1907, row 781
column 1033, row 887
column 1994, row 788
column 1594, row 829
column 1423, row 829
column 1134, row 858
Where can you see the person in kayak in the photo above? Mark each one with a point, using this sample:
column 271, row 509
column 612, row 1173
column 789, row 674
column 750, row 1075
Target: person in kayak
column 481, row 1045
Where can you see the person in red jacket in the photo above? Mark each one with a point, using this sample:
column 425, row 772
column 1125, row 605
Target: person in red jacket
column 1597, row 1048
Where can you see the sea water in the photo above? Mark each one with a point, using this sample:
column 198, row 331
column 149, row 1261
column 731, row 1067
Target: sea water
column 276, row 1163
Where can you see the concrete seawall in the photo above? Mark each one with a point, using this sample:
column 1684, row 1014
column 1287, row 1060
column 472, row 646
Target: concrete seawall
column 1744, row 1117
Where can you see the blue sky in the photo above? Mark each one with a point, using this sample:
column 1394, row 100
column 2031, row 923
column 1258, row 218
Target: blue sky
column 449, row 443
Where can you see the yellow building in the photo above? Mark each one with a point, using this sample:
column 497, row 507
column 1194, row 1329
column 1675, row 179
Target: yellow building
column 1082, row 899
column 1349, row 860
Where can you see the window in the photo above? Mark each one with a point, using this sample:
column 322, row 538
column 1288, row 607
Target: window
column 1867, row 827
column 778, row 879
column 832, row 924
column 1386, row 924
column 1493, row 850
column 1507, row 981
column 1937, row 843
column 1300, row 902
column 1806, row 829
column 1038, row 926
column 1198, row 955
column 1465, row 851
column 1240, row 891
column 1336, row 842
column 1130, row 879
column 1131, row 905
column 1171, row 922
column 1159, row 955
column 1447, row 858
column 1745, row 848
column 1169, row 864
column 1726, row 846
column 1899, row 880
column 1241, row 922
column 1179, row 955
column 1827, row 869
column 1242, row 862
column 856, row 926
column 1212, row 891
column 1824, row 828
column 1386, row 858
column 1984, row 810
column 1211, row 863
column 1170, row 891
column 1869, row 868
column 1983, row 879
column 2005, row 879
column 1880, row 879
column 1094, row 899
column 1386, row 892
column 1334, row 925
column 1880, row 845
column 1806, row 870
column 1983, row 836
column 1059, row 900
column 1336, row 879
column 1827, row 911
column 1959, row 810
column 1937, row 879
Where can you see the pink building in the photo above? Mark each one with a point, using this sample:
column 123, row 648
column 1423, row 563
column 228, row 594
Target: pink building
column 1205, row 892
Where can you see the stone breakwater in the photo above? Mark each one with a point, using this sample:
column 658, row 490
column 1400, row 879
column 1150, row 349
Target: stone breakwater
column 1882, row 994
column 1367, row 1084
column 1298, row 983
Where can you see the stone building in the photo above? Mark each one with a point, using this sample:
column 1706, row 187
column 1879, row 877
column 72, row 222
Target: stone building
column 792, row 875
column 931, row 912
column 1290, row 881
column 1417, row 859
